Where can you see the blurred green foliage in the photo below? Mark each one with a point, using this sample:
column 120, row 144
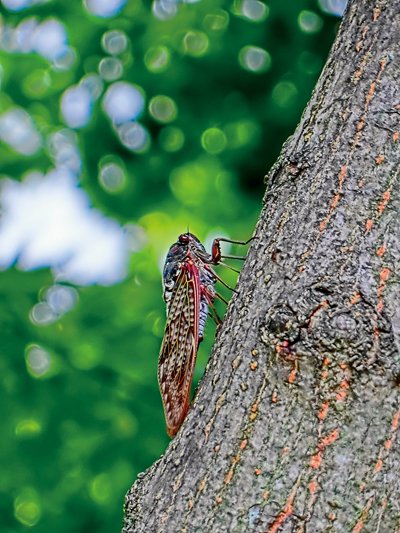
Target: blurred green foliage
column 222, row 92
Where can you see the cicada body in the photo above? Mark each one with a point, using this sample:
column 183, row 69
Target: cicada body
column 188, row 281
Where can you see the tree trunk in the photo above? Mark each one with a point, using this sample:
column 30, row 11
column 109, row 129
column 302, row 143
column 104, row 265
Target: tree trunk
column 295, row 426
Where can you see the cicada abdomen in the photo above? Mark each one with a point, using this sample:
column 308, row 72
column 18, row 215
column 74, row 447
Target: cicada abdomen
column 188, row 281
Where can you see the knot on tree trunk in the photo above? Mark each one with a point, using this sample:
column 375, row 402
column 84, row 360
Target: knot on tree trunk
column 335, row 322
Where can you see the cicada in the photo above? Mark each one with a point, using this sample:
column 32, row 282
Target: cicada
column 189, row 293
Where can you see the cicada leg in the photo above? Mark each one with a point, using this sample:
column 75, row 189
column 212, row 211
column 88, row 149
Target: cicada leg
column 220, row 279
column 210, row 300
column 216, row 250
column 214, row 315
column 229, row 266
column 218, row 295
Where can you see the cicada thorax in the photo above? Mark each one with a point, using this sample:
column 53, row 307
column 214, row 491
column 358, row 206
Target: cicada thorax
column 188, row 282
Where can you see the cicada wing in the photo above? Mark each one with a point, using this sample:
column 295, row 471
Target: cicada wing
column 179, row 347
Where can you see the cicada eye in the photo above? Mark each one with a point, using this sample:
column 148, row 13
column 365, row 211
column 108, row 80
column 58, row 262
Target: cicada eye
column 183, row 238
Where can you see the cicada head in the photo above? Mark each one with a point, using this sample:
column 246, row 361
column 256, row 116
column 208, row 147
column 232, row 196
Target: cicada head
column 185, row 248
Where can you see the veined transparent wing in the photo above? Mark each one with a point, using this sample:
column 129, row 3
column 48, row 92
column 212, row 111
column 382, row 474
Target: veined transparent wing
column 179, row 347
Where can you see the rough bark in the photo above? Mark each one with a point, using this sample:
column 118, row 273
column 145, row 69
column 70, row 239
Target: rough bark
column 295, row 426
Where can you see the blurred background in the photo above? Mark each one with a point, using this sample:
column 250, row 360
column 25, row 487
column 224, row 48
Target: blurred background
column 122, row 122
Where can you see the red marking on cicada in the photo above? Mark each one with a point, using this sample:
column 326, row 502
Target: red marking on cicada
column 189, row 291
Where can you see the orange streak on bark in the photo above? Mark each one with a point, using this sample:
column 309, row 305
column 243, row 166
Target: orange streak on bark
column 360, row 524
column 323, row 305
column 342, row 392
column 228, row 477
column 358, row 527
column 395, row 421
column 368, row 225
column 357, row 74
column 332, row 207
column 385, row 199
column 281, row 346
column 336, row 198
column 316, row 460
column 378, row 465
column 395, row 136
column 231, row 471
column 323, row 411
column 388, row 444
column 329, row 439
column 284, row 514
column 381, row 250
column 355, row 298
column 342, row 176
column 384, row 275
column 379, row 159
column 243, row 444
column 292, row 375
column 274, row 397
column 313, row 486
column 376, row 14
column 371, row 92
column 368, row 99
column 324, row 374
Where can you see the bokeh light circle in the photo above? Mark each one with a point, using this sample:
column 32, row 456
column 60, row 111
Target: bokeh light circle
column 134, row 136
column 76, row 106
column 213, row 140
column 123, row 101
column 195, row 43
column 254, row 59
column 114, row 42
column 255, row 10
column 112, row 176
column 171, row 139
column 163, row 109
column 309, row 21
column 157, row 58
column 110, row 68
column 284, row 94
column 217, row 20
column 38, row 361
column 104, row 8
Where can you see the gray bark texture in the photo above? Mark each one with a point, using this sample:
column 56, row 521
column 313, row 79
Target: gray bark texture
column 295, row 426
